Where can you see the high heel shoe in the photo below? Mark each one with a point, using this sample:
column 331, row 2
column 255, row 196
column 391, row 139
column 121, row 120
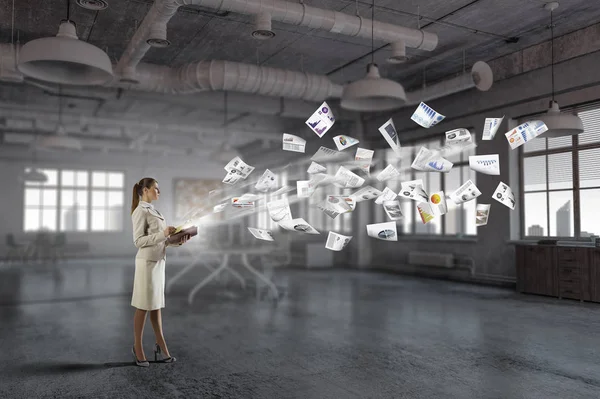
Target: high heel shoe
column 141, row 363
column 157, row 353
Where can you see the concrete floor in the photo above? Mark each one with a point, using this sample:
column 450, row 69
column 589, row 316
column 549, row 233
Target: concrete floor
column 67, row 333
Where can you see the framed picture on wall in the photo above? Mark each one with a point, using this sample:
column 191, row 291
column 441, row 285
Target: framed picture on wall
column 192, row 194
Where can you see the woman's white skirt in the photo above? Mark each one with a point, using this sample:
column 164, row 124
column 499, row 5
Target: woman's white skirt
column 149, row 285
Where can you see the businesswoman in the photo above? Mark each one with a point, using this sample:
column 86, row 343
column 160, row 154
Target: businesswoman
column 150, row 233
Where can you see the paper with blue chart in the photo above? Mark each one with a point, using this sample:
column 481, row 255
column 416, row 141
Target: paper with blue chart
column 321, row 120
column 490, row 128
column 388, row 131
column 426, row 116
column 525, row 132
column 486, row 164
column 429, row 161
column 383, row 231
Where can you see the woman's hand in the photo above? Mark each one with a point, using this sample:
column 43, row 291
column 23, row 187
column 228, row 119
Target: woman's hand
column 184, row 239
column 169, row 230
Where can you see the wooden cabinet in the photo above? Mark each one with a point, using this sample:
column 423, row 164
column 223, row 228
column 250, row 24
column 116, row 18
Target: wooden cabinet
column 565, row 272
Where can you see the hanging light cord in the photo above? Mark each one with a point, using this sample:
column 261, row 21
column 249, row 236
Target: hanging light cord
column 68, row 10
column 373, row 32
column 552, row 51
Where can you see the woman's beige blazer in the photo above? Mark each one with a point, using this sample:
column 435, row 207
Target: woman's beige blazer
column 148, row 232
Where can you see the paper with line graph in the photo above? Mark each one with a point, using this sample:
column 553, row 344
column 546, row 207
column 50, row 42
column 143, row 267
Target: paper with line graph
column 321, row 120
column 337, row 242
column 486, row 164
column 426, row 116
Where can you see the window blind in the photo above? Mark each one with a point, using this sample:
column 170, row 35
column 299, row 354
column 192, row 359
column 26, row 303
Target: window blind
column 591, row 126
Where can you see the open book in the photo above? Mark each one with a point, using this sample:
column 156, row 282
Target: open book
column 181, row 231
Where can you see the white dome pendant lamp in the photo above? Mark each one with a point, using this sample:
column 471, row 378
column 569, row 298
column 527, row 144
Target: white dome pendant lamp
column 373, row 93
column 559, row 124
column 65, row 59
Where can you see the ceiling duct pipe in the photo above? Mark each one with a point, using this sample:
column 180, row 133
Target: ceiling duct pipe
column 480, row 77
column 287, row 12
column 235, row 76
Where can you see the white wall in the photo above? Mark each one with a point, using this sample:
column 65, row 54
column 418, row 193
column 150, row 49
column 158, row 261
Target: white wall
column 135, row 166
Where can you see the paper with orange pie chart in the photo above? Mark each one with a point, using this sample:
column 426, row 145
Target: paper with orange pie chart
column 438, row 203
column 524, row 133
column 425, row 212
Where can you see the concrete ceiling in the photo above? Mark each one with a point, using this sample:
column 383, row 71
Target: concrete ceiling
column 469, row 30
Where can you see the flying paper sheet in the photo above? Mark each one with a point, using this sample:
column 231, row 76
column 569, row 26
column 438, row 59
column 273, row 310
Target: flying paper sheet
column 413, row 190
column 321, row 120
column 482, row 214
column 460, row 135
column 486, row 164
column 333, row 206
column 238, row 202
column 364, row 157
column 365, row 194
column 438, row 203
column 237, row 166
column 504, row 195
column 321, row 179
column 315, row 168
column 347, row 179
column 304, row 188
column 343, row 142
column 465, row 193
column 219, row 208
column 267, row 182
column 279, row 210
column 325, row 154
column 425, row 212
column 393, row 210
column 429, row 161
column 232, row 178
column 491, row 127
column 283, row 190
column 383, row 231
column 388, row 131
column 293, row 143
column 261, row 234
column 387, row 195
column 388, row 173
column 525, row 132
column 336, row 242
column 298, row 224
column 249, row 197
column 426, row 116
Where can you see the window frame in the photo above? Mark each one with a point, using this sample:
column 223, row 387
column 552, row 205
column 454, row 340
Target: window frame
column 574, row 149
column 59, row 187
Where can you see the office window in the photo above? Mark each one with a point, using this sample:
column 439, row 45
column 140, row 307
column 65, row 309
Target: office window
column 63, row 202
column 41, row 202
column 460, row 219
column 107, row 201
column 555, row 202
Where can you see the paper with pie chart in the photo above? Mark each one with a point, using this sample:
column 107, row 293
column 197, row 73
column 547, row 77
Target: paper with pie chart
column 525, row 132
column 337, row 242
column 490, row 128
column 342, row 142
column 465, row 193
column 293, row 143
column 365, row 194
column 425, row 212
column 335, row 205
column 279, row 210
column 300, row 225
column 482, row 213
column 388, row 131
column 261, row 234
column 321, row 120
column 413, row 190
column 486, row 164
column 438, row 203
column 393, row 209
column 383, row 231
column 504, row 195
column 267, row 182
column 426, row 116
